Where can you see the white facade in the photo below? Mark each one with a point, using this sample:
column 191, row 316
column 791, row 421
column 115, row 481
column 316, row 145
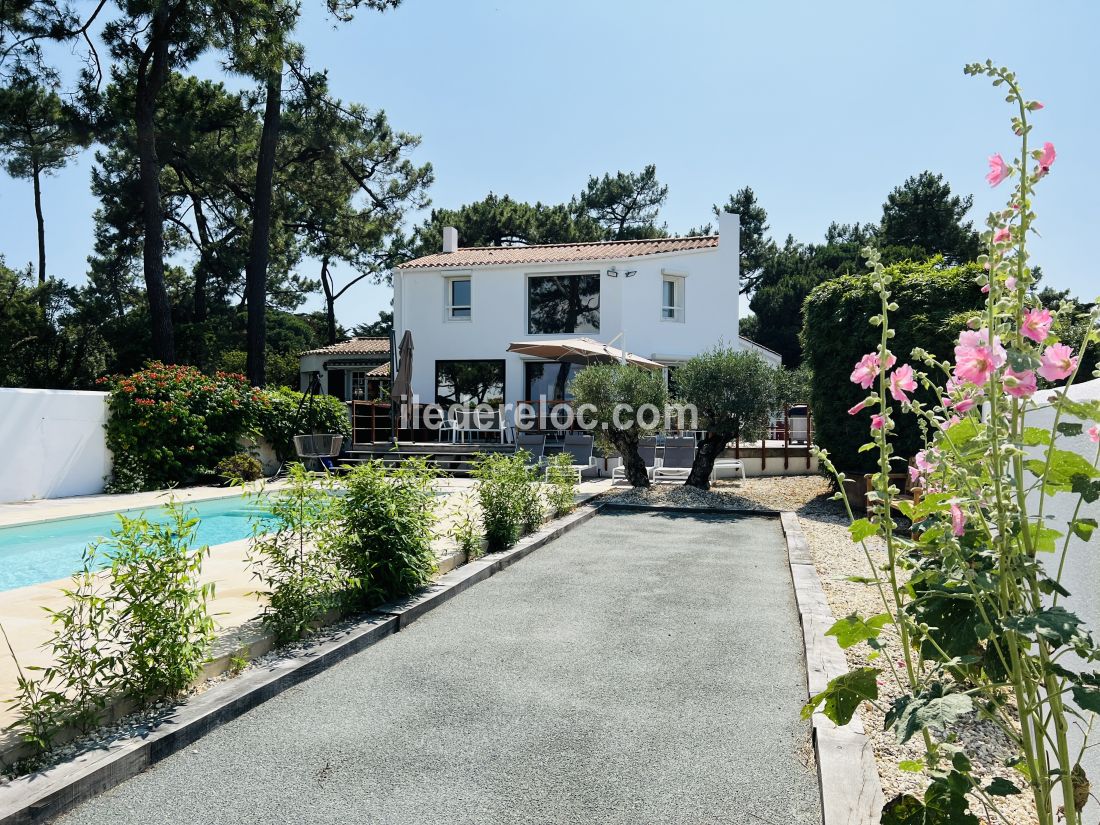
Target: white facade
column 54, row 443
column 631, row 310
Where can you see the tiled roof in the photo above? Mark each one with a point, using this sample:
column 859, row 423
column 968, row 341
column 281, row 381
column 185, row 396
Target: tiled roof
column 559, row 252
column 354, row 346
column 382, row 371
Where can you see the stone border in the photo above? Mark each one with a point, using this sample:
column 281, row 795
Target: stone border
column 41, row 796
column 851, row 791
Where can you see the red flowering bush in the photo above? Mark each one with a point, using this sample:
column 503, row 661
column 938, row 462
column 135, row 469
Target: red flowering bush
column 172, row 424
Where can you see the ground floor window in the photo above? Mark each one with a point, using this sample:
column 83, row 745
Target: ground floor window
column 469, row 382
column 549, row 379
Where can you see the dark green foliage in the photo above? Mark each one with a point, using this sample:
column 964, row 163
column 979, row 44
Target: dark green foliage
column 923, row 214
column 625, row 204
column 239, row 467
column 281, row 414
column 508, row 494
column 836, row 335
column 293, row 554
column 385, row 543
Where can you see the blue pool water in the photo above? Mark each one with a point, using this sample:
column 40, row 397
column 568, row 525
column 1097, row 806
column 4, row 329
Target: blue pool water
column 34, row 553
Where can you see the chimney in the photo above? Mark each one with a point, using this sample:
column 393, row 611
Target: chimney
column 450, row 239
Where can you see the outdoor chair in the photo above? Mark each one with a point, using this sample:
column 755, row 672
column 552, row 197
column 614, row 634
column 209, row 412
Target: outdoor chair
column 578, row 446
column 532, row 443
column 320, row 450
column 730, row 466
column 647, row 451
column 678, row 458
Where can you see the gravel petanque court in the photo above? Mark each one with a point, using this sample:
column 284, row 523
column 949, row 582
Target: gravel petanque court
column 644, row 668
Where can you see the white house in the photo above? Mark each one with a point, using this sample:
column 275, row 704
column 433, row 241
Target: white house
column 666, row 299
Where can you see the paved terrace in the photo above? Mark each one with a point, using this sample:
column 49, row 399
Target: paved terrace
column 643, row 668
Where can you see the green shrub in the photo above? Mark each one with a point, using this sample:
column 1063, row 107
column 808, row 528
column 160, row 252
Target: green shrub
column 297, row 563
column 160, row 619
column 508, row 495
column 240, row 467
column 603, row 389
column 466, row 530
column 386, row 519
column 278, row 420
column 172, row 424
column 836, row 336
column 561, row 484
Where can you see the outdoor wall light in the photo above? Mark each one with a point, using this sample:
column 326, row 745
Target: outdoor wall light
column 612, row 272
column 630, row 273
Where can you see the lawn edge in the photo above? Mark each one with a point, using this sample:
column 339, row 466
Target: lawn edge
column 847, row 773
column 39, row 797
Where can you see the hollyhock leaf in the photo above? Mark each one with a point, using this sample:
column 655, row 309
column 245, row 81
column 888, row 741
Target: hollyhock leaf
column 911, row 766
column 841, row 699
column 1001, row 787
column 1044, row 539
column 862, row 529
column 1070, row 429
column 1086, row 697
column 851, row 630
column 903, row 809
column 1035, row 436
column 933, row 708
column 1064, row 466
column 1054, row 624
column 1088, row 490
column 1083, row 528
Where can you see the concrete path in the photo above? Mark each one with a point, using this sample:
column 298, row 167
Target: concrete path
column 645, row 668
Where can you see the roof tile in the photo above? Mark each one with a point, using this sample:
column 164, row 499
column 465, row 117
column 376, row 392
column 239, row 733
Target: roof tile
column 354, row 346
column 559, row 253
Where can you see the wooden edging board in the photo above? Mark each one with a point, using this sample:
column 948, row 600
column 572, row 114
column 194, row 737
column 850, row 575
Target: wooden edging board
column 851, row 791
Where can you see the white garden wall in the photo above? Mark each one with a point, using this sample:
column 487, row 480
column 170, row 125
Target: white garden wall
column 53, row 443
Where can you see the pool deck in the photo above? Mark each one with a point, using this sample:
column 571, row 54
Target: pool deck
column 22, row 610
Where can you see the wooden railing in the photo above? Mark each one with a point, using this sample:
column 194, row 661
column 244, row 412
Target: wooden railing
column 370, row 422
column 792, row 432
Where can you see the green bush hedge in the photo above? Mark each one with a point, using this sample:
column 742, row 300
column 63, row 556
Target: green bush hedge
column 276, row 418
column 836, row 334
column 173, row 424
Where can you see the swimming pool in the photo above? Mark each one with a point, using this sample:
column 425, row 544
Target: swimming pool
column 49, row 550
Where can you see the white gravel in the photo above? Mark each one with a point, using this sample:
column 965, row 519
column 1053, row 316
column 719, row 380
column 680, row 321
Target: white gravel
column 836, row 557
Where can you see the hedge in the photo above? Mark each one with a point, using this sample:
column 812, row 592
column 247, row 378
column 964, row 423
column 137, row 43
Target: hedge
column 278, row 420
column 836, row 333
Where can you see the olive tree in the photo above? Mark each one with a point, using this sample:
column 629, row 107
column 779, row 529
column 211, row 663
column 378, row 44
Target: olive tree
column 611, row 397
column 734, row 393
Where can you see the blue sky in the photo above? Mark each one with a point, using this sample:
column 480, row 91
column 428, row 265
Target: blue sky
column 821, row 107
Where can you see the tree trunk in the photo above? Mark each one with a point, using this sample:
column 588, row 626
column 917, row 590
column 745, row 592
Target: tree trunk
column 709, row 449
column 37, row 174
column 330, row 301
column 255, row 277
column 633, row 466
column 150, row 77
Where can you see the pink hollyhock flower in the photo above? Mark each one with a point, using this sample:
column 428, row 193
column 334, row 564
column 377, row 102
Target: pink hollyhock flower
column 1046, row 159
column 1094, row 434
column 914, row 475
column 858, row 407
column 951, row 422
column 976, row 358
column 1058, row 362
column 901, row 382
column 985, row 289
column 958, row 520
column 867, row 369
column 922, row 462
column 1001, row 235
column 1020, row 384
column 878, row 421
column 998, row 169
column 965, row 404
column 1035, row 106
column 1036, row 324
column 1010, row 283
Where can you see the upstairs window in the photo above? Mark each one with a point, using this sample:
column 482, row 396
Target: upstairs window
column 672, row 298
column 563, row 304
column 458, row 299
